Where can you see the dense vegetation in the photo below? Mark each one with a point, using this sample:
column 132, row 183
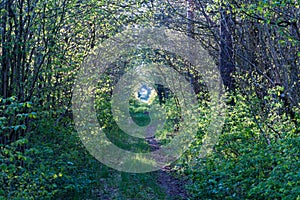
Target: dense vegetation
column 255, row 45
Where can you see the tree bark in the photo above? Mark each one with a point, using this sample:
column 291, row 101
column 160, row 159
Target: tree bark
column 190, row 17
column 226, row 60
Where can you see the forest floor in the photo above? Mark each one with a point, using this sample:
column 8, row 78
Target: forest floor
column 165, row 183
column 173, row 186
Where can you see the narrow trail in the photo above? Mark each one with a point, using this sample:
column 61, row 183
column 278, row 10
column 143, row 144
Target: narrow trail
column 164, row 184
column 173, row 187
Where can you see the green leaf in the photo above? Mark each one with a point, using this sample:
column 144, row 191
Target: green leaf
column 16, row 127
column 32, row 115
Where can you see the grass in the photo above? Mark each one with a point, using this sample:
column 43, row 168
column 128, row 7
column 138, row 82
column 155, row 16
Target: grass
column 121, row 185
column 112, row 184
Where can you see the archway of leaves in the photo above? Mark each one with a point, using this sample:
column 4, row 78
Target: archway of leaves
column 160, row 95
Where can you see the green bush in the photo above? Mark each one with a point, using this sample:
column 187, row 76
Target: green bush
column 47, row 162
column 257, row 157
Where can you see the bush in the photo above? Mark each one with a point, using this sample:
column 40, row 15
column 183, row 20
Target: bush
column 256, row 158
column 47, row 162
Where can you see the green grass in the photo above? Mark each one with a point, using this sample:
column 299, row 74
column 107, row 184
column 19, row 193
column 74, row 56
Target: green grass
column 112, row 184
column 96, row 179
column 120, row 185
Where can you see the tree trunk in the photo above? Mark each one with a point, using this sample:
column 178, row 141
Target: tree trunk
column 226, row 62
column 190, row 17
column 191, row 33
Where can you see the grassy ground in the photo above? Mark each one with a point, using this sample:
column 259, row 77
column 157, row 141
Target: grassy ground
column 112, row 184
column 58, row 166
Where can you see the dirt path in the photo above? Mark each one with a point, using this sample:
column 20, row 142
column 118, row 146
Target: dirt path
column 173, row 187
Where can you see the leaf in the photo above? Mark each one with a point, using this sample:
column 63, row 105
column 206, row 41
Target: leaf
column 260, row 9
column 32, row 115
column 16, row 127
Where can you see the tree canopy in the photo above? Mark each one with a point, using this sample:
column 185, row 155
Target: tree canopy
column 255, row 47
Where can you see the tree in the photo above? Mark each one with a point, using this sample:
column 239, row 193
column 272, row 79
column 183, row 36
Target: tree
column 226, row 59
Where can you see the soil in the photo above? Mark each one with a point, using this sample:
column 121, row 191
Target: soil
column 174, row 187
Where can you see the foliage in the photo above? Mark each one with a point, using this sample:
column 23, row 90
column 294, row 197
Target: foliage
column 251, row 160
column 43, row 44
column 40, row 167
